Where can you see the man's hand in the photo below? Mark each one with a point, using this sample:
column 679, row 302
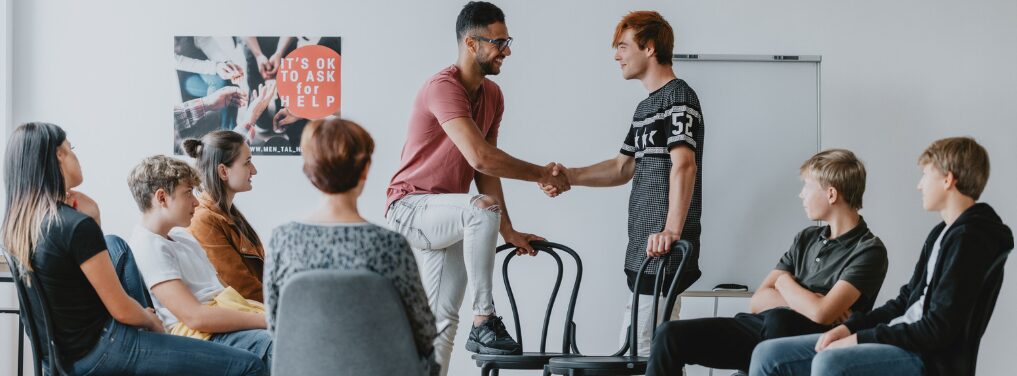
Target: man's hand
column 263, row 65
column 248, row 116
column 836, row 335
column 283, row 118
column 227, row 96
column 851, row 340
column 273, row 64
column 555, row 180
column 659, row 244
column 522, row 241
column 229, row 71
column 556, row 170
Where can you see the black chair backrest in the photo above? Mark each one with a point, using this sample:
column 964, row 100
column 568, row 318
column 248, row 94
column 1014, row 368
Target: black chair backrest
column 568, row 337
column 33, row 304
column 986, row 303
column 683, row 248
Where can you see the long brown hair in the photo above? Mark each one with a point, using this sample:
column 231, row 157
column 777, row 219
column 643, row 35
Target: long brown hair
column 215, row 148
column 35, row 188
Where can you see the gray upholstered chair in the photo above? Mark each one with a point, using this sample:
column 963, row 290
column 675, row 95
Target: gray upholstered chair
column 334, row 322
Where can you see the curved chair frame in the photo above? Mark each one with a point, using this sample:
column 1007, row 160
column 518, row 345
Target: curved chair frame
column 630, row 364
column 490, row 364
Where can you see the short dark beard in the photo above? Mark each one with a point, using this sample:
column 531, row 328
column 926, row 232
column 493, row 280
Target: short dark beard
column 486, row 67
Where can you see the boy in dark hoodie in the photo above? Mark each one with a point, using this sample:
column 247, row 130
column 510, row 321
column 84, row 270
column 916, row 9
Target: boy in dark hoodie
column 934, row 325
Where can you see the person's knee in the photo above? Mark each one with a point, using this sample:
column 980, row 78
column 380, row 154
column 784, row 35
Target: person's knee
column 666, row 333
column 764, row 350
column 764, row 354
column 830, row 362
column 253, row 365
column 487, row 203
column 669, row 328
column 784, row 323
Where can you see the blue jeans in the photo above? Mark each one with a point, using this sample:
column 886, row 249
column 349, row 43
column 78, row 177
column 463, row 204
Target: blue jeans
column 797, row 356
column 125, row 350
column 255, row 341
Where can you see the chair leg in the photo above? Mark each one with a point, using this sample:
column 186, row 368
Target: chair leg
column 21, row 348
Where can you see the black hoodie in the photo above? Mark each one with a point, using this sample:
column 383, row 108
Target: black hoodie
column 961, row 295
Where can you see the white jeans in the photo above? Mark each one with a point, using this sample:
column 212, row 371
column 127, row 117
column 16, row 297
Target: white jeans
column 454, row 242
column 644, row 333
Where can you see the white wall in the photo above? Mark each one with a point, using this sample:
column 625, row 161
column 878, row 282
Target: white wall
column 896, row 75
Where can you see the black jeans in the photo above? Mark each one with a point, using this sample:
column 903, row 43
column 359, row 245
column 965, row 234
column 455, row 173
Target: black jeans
column 722, row 342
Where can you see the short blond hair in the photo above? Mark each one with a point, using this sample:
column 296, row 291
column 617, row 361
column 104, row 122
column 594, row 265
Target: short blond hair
column 964, row 158
column 159, row 172
column 840, row 169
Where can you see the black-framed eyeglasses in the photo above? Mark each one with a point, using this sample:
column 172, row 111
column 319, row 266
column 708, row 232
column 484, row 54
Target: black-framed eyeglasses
column 500, row 43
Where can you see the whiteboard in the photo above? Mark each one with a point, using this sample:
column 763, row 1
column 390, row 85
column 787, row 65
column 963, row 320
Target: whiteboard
column 761, row 118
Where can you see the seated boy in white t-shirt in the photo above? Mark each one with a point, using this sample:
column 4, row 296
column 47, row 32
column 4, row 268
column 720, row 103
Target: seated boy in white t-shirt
column 186, row 292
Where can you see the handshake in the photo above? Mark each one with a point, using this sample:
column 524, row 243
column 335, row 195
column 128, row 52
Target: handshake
column 554, row 180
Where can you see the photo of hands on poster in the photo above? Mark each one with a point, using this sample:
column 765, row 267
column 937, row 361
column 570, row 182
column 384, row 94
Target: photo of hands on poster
column 265, row 88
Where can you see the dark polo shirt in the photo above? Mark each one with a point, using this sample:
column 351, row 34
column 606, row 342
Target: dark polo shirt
column 857, row 257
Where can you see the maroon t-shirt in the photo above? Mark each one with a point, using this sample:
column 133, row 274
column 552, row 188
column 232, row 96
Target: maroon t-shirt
column 431, row 163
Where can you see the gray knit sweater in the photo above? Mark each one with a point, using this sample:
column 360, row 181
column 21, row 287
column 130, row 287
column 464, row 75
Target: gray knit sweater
column 296, row 247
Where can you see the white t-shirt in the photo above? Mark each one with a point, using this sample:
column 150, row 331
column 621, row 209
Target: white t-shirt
column 914, row 312
column 160, row 260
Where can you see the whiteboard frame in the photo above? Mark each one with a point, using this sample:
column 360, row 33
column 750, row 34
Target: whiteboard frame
column 813, row 59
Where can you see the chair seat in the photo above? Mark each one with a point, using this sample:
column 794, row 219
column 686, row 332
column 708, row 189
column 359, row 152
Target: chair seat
column 600, row 362
column 528, row 360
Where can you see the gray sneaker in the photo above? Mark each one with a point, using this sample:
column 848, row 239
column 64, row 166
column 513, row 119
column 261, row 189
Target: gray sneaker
column 492, row 338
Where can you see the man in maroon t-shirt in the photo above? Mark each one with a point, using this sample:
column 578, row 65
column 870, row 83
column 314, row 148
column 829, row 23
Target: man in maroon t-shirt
column 452, row 140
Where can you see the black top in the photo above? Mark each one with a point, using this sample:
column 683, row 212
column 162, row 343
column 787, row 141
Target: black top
column 857, row 257
column 77, row 312
column 959, row 300
column 669, row 117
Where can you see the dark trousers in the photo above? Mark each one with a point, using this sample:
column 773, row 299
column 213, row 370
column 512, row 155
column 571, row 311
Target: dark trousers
column 722, row 342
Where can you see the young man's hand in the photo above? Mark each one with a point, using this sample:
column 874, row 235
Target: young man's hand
column 557, row 169
column 554, row 180
column 836, row 338
column 229, row 71
column 522, row 241
column 226, row 96
column 273, row 64
column 248, row 116
column 659, row 244
column 263, row 65
column 283, row 118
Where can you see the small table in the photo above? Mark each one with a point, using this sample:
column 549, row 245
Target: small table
column 716, row 295
column 5, row 276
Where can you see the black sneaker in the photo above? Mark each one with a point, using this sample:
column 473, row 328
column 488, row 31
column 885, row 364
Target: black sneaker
column 492, row 338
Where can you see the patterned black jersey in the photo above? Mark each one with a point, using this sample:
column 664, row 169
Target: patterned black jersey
column 670, row 117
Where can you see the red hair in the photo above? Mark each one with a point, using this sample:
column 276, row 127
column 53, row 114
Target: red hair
column 335, row 152
column 651, row 29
